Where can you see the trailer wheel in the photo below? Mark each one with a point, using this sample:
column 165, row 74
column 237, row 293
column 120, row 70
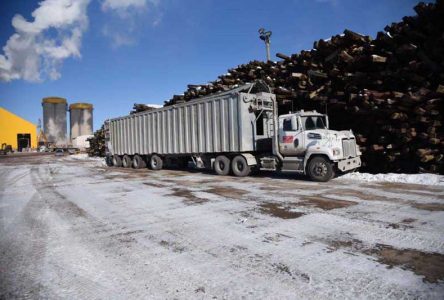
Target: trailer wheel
column 240, row 166
column 126, row 161
column 138, row 162
column 117, row 161
column 222, row 165
column 320, row 169
column 156, row 162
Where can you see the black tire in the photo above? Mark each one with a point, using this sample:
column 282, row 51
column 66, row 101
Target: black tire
column 138, row 162
column 117, row 161
column 240, row 166
column 156, row 162
column 320, row 169
column 222, row 165
column 127, row 161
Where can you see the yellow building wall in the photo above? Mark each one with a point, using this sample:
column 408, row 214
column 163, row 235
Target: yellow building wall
column 11, row 125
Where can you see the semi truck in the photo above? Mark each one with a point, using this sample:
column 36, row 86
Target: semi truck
column 234, row 132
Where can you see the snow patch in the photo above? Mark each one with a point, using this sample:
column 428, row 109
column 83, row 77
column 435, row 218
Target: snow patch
column 154, row 105
column 425, row 179
column 98, row 161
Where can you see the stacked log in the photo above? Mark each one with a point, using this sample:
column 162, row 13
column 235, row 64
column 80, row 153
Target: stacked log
column 389, row 90
column 97, row 143
column 140, row 107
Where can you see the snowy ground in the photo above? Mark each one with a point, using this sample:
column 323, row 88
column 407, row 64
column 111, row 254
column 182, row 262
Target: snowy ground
column 72, row 228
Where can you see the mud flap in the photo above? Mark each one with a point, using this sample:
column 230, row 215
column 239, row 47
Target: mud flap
column 251, row 160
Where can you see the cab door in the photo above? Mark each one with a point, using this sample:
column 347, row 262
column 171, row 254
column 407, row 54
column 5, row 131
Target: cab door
column 291, row 138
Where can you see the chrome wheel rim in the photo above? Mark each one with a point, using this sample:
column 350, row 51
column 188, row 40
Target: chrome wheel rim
column 320, row 169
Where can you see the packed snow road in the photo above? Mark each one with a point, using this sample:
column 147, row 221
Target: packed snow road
column 73, row 228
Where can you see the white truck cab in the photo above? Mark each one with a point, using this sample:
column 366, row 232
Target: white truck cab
column 308, row 146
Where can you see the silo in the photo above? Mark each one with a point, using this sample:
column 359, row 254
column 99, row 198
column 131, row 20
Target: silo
column 54, row 119
column 81, row 119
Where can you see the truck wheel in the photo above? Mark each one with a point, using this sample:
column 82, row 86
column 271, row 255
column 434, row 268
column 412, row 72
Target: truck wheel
column 156, row 162
column 117, row 161
column 126, row 161
column 222, row 165
column 240, row 166
column 138, row 162
column 320, row 169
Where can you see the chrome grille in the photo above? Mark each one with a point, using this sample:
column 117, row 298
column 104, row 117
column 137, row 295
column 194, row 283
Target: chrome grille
column 349, row 147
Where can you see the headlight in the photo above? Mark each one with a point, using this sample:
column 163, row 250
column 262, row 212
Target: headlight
column 336, row 152
column 314, row 136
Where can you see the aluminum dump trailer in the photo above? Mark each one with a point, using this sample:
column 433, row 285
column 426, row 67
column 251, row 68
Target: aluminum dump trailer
column 234, row 132
column 217, row 124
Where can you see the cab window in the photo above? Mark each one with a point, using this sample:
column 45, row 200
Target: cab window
column 260, row 125
column 289, row 124
column 314, row 122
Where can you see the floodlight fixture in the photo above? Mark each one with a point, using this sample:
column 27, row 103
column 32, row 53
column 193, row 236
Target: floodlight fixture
column 265, row 36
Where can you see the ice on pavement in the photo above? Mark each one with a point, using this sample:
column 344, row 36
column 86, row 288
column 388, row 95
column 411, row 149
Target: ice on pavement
column 73, row 229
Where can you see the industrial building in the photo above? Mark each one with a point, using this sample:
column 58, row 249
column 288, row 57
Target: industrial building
column 54, row 120
column 81, row 119
column 16, row 131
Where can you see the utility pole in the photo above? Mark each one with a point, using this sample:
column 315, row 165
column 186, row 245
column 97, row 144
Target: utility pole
column 265, row 36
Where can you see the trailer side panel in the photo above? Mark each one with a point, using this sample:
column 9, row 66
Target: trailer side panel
column 213, row 125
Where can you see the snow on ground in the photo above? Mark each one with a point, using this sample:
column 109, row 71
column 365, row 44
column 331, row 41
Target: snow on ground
column 97, row 161
column 425, row 179
column 73, row 228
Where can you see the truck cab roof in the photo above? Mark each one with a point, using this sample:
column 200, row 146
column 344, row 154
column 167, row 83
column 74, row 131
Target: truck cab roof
column 303, row 113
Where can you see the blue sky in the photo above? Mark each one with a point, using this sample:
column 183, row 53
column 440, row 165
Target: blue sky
column 144, row 51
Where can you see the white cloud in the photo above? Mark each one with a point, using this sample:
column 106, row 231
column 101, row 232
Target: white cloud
column 119, row 38
column 38, row 48
column 123, row 4
column 127, row 19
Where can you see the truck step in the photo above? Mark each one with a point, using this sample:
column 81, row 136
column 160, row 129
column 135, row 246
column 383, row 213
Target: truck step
column 293, row 164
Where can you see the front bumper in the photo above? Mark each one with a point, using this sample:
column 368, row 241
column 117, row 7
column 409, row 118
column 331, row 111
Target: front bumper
column 349, row 164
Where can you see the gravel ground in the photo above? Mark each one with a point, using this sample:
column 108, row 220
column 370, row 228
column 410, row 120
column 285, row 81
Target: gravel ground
column 73, row 228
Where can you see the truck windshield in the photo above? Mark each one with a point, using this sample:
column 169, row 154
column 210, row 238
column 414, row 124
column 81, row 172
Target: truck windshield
column 314, row 122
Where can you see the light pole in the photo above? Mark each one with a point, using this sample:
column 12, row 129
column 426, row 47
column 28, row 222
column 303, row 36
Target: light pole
column 265, row 36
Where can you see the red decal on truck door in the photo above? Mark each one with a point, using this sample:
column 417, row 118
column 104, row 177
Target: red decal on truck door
column 288, row 139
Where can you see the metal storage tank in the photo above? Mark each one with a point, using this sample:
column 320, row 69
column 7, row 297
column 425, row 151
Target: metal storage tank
column 54, row 119
column 81, row 119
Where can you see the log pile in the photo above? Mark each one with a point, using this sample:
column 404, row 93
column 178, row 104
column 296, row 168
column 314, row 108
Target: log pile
column 97, row 143
column 389, row 90
column 140, row 107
